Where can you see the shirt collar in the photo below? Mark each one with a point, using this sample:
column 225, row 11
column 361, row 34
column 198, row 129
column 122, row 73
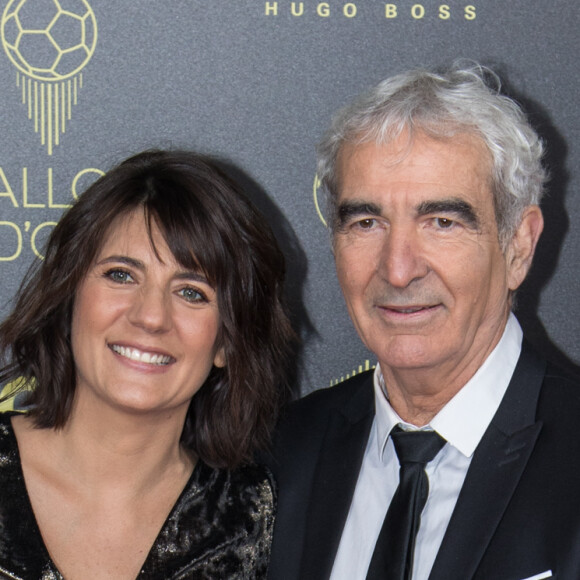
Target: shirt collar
column 465, row 418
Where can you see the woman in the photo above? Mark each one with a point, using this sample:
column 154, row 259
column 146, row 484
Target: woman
column 155, row 337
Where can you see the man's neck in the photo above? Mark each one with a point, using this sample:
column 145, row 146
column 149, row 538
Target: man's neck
column 418, row 394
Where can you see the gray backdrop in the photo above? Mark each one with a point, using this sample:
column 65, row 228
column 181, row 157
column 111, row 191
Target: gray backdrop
column 255, row 83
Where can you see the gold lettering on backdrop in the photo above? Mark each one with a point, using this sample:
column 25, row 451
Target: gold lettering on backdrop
column 88, row 175
column 33, row 237
column 7, row 189
column 349, row 10
column 417, row 11
column 80, row 174
column 323, row 9
column 16, row 237
column 18, row 250
column 51, row 194
column 25, row 191
column 444, row 13
column 293, row 8
column 469, row 12
column 10, row 253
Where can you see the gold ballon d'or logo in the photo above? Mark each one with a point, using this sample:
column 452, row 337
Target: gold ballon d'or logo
column 49, row 42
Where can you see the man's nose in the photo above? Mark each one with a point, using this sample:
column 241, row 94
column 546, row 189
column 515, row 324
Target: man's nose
column 402, row 257
column 151, row 309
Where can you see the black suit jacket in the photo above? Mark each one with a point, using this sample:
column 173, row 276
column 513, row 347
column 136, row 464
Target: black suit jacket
column 518, row 512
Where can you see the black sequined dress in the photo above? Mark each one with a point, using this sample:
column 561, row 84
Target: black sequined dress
column 220, row 528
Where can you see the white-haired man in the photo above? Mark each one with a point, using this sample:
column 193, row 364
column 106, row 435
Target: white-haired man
column 457, row 458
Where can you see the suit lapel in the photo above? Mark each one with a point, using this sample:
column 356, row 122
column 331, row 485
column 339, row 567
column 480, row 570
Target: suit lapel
column 494, row 473
column 335, row 479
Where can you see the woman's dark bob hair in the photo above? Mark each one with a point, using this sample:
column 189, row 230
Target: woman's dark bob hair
column 208, row 224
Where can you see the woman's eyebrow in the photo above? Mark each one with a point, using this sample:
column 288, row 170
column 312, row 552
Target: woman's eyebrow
column 124, row 260
column 191, row 275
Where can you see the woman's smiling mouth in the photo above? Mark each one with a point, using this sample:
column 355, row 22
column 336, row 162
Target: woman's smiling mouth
column 141, row 356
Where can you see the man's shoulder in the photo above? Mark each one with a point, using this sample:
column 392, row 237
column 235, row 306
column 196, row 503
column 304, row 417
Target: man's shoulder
column 306, row 419
column 567, row 378
column 333, row 398
column 542, row 387
column 302, row 430
column 560, row 393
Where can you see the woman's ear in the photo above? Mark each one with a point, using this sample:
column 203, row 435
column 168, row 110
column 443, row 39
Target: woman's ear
column 219, row 359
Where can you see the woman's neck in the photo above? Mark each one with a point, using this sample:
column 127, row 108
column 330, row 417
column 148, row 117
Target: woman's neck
column 102, row 446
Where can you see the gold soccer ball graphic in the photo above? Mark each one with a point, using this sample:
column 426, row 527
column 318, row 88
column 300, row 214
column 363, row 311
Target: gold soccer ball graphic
column 49, row 40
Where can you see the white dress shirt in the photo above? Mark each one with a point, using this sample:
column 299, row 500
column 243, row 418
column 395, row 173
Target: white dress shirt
column 462, row 422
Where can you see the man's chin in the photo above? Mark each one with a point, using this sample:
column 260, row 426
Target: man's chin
column 411, row 352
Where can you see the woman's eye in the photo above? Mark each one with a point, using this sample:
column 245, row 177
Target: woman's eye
column 192, row 295
column 119, row 276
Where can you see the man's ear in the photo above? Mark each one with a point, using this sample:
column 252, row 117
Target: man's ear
column 520, row 251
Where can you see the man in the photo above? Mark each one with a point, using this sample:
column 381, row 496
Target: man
column 434, row 182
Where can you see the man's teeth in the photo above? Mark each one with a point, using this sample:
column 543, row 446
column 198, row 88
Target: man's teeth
column 144, row 357
column 410, row 310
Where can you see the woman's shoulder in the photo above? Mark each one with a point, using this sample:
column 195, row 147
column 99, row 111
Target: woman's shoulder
column 223, row 521
column 5, row 421
column 259, row 479
column 239, row 499
column 255, row 473
column 252, row 482
column 8, row 445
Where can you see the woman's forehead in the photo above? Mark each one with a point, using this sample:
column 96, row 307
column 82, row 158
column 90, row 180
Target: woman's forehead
column 140, row 232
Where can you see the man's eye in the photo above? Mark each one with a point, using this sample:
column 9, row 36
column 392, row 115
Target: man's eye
column 192, row 295
column 444, row 223
column 119, row 276
column 366, row 223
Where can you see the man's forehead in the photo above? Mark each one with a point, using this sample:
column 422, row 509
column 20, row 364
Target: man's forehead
column 447, row 165
column 396, row 150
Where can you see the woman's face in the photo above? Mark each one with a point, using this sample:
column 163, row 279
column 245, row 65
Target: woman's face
column 144, row 328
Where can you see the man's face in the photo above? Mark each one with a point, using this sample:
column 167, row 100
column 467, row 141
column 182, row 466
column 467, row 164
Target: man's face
column 417, row 253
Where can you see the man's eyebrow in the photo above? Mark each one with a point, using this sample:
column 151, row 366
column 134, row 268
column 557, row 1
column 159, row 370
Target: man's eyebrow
column 459, row 207
column 349, row 209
